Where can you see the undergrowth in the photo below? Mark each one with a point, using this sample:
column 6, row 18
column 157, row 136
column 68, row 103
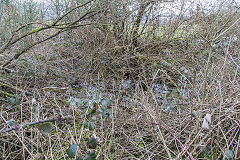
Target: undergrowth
column 95, row 93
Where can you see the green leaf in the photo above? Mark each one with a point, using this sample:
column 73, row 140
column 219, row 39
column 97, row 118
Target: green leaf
column 91, row 155
column 86, row 104
column 72, row 150
column 45, row 127
column 79, row 158
column 18, row 54
column 78, row 101
column 37, row 30
column 92, row 143
column 229, row 154
column 194, row 113
column 104, row 114
column 224, row 44
column 92, row 126
column 68, row 102
column 111, row 116
column 101, row 109
column 163, row 64
column 166, row 92
column 13, row 101
column 92, row 111
column 85, row 124
column 28, row 93
column 105, row 102
column 12, row 122
column 94, row 96
column 204, row 52
column 195, row 44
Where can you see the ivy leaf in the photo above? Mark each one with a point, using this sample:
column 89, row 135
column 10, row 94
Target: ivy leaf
column 91, row 155
column 78, row 101
column 79, row 158
column 101, row 110
column 92, row 143
column 72, row 150
column 163, row 64
column 195, row 44
column 111, row 116
column 194, row 113
column 224, row 44
column 92, row 126
column 12, row 122
column 105, row 102
column 13, row 101
column 85, row 124
column 229, row 154
column 92, row 111
column 28, row 93
column 68, row 102
column 86, row 104
column 45, row 127
column 104, row 114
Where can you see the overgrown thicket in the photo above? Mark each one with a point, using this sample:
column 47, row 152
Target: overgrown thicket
column 110, row 79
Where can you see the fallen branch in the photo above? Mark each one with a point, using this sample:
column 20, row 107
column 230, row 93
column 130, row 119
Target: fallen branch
column 35, row 123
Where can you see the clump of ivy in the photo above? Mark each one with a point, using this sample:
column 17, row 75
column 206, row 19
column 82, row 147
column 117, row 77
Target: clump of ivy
column 96, row 108
column 94, row 105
